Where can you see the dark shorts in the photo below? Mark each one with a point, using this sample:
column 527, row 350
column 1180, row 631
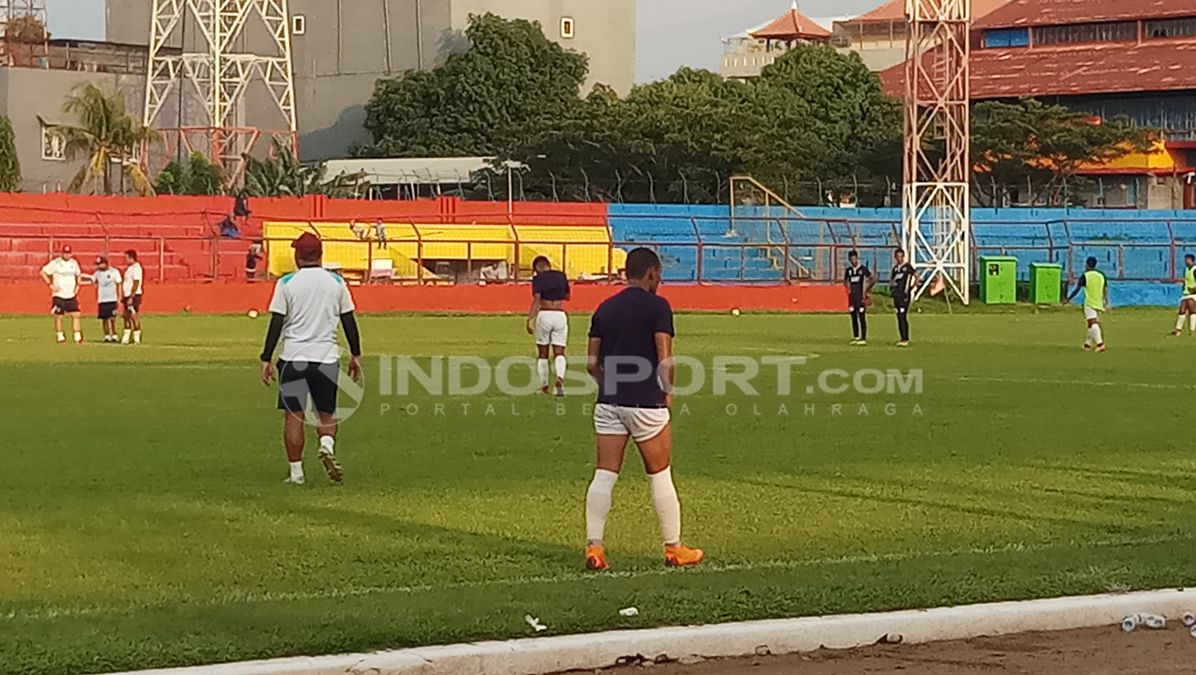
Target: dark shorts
column 858, row 306
column 62, row 306
column 133, row 305
column 107, row 310
column 900, row 302
column 300, row 382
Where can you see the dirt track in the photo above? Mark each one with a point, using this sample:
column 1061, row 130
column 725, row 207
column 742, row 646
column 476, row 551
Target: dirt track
column 1104, row 651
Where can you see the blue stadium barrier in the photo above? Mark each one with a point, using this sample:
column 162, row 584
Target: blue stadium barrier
column 1140, row 251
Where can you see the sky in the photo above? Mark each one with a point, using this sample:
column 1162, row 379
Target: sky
column 670, row 33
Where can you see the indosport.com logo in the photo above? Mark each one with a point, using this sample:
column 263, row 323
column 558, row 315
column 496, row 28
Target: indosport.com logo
column 515, row 376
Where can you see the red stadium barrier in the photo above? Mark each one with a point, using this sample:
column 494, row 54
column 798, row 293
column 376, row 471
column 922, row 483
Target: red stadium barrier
column 32, row 298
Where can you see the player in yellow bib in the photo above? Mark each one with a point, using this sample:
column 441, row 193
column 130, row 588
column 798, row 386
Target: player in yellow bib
column 1187, row 304
column 1096, row 300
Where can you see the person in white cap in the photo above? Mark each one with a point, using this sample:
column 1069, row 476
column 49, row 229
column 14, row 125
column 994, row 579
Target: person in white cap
column 62, row 275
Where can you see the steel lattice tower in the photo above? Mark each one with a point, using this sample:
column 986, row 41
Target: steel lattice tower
column 20, row 50
column 936, row 203
column 207, row 80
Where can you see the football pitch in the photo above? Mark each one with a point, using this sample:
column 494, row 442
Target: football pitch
column 145, row 523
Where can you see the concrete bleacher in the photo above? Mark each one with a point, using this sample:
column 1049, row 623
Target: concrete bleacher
column 168, row 252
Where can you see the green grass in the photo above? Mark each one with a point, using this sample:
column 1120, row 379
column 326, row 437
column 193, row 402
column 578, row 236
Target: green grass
column 146, row 524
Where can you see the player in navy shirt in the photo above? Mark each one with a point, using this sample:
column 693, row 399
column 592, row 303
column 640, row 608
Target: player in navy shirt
column 858, row 281
column 548, row 322
column 630, row 355
column 902, row 283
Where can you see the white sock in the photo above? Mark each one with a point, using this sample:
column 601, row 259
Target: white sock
column 1179, row 323
column 328, row 444
column 668, row 507
column 562, row 366
column 1097, row 335
column 598, row 500
column 60, row 336
column 542, row 368
column 78, row 336
column 1191, row 323
column 136, row 337
column 125, row 339
column 296, row 470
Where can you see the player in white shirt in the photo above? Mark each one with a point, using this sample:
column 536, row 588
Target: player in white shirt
column 307, row 307
column 108, row 287
column 63, row 275
column 131, row 288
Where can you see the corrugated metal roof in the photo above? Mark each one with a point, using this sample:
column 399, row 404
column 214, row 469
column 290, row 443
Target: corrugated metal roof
column 412, row 171
column 1056, row 12
column 894, row 10
column 791, row 25
column 1087, row 69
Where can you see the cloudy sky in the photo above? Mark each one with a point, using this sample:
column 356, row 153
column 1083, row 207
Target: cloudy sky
column 672, row 33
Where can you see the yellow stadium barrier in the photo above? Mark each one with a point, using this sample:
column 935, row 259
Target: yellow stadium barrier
column 448, row 252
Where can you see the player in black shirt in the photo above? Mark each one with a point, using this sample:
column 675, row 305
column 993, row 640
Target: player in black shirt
column 548, row 322
column 858, row 281
column 631, row 357
column 902, row 284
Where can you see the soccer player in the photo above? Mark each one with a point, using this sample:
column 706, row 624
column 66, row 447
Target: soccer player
column 1096, row 300
column 858, row 281
column 548, row 322
column 901, row 285
column 306, row 308
column 108, row 282
column 62, row 275
column 630, row 356
column 1187, row 304
column 131, row 288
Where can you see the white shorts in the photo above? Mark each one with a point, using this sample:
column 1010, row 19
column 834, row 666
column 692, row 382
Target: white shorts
column 1187, row 298
column 1091, row 314
column 552, row 328
column 642, row 424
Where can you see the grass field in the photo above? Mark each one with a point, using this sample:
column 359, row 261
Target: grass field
column 144, row 522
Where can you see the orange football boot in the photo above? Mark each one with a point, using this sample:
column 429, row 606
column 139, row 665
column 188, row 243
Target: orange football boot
column 682, row 556
column 596, row 557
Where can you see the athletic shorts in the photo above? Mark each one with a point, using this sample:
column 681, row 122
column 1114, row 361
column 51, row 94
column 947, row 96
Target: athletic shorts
column 302, row 384
column 60, row 306
column 552, row 328
column 1091, row 314
column 107, row 311
column 642, row 424
column 902, row 304
column 1187, row 298
column 133, row 304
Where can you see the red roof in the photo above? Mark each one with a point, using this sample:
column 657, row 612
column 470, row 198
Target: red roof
column 1165, row 65
column 792, row 25
column 894, row 10
column 1057, row 12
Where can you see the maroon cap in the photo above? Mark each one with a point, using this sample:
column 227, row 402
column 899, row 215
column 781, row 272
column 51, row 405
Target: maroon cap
column 308, row 245
column 66, row 249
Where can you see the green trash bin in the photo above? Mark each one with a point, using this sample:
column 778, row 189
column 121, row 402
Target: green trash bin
column 1046, row 283
column 998, row 280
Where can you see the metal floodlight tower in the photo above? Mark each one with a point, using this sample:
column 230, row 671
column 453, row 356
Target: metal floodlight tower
column 936, row 205
column 17, row 47
column 213, row 71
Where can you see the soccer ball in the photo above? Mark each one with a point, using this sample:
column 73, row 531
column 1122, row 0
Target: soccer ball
column 735, row 312
column 253, row 313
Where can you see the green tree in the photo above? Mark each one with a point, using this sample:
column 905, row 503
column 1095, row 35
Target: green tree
column 510, row 74
column 105, row 135
column 10, row 164
column 1036, row 151
column 194, row 176
column 858, row 126
column 281, row 174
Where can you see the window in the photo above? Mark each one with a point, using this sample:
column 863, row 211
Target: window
column 299, row 24
column 1169, row 28
column 567, row 27
column 53, row 144
column 1012, row 37
column 1117, row 31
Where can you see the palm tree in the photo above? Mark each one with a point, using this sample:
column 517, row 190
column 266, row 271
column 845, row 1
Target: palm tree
column 281, row 174
column 106, row 134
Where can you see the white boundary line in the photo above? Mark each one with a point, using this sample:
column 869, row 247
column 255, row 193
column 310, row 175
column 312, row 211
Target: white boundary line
column 538, row 656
